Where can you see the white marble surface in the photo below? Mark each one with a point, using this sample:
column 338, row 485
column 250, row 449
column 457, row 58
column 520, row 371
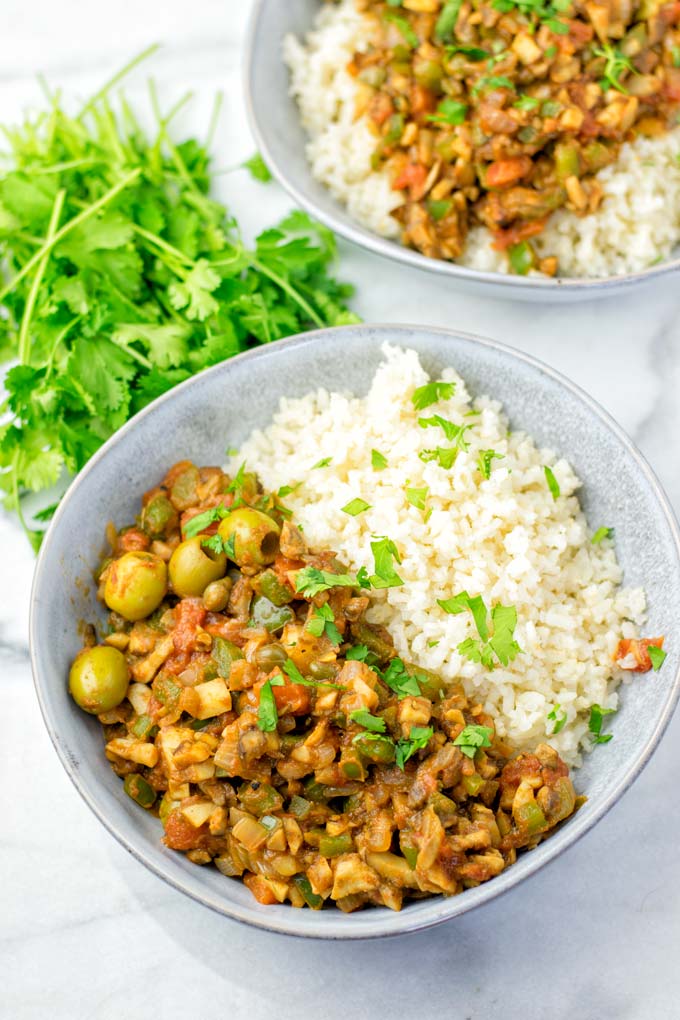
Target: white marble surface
column 85, row 930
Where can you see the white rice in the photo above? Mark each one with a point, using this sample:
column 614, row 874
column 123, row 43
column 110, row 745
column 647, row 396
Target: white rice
column 637, row 224
column 505, row 538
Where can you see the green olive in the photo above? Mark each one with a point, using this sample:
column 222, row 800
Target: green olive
column 255, row 536
column 193, row 566
column 99, row 679
column 136, row 585
column 216, row 595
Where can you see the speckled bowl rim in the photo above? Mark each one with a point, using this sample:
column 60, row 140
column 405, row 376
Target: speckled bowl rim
column 581, row 287
column 441, row 909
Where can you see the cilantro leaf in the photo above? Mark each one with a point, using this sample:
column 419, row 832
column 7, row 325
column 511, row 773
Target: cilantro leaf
column 322, row 621
column 397, row 678
column 484, row 459
column 597, row 715
column 373, row 723
column 657, row 656
column 267, row 714
column 310, row 581
column 601, row 534
column 557, row 716
column 417, row 740
column 501, row 643
column 553, row 484
column 257, row 168
column 472, row 738
column 203, row 520
column 324, row 462
column 417, row 497
column 385, row 553
column 355, row 507
column 378, row 460
column 444, row 455
column 214, row 543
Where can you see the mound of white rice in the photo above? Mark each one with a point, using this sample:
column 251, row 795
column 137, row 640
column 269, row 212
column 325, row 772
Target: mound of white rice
column 637, row 223
column 504, row 538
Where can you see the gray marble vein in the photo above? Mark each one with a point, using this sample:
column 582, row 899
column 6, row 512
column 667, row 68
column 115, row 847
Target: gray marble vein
column 86, row 932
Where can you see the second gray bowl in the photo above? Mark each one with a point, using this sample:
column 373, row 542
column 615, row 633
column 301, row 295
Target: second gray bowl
column 276, row 124
column 202, row 418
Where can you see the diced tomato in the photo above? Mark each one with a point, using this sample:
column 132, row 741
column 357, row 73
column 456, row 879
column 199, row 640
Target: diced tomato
column 189, row 615
column 181, row 835
column 504, row 172
column 520, row 232
column 133, row 540
column 225, row 627
column 671, row 87
column 292, row 698
column 413, row 176
column 380, row 108
column 580, row 32
column 259, row 889
column 638, row 649
column 422, row 100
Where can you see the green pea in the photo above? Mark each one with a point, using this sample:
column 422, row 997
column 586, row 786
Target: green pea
column 158, row 516
column 193, row 567
column 253, row 536
column 98, row 680
column 136, row 585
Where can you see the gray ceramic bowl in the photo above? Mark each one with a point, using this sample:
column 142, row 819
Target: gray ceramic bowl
column 275, row 122
column 202, row 418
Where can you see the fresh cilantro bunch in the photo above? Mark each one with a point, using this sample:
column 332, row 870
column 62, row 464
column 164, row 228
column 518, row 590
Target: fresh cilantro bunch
column 120, row 277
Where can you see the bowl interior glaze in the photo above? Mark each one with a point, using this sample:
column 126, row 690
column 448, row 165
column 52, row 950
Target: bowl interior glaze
column 276, row 124
column 202, row 418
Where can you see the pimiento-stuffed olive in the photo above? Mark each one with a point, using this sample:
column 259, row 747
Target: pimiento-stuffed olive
column 255, row 537
column 136, row 584
column 194, row 566
column 99, row 678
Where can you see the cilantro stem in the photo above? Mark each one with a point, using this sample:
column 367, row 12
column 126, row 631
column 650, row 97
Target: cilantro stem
column 107, row 86
column 214, row 117
column 67, row 228
column 163, row 245
column 24, row 337
column 290, row 290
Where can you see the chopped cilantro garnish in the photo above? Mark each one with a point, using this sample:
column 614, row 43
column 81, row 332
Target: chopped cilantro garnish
column 374, row 723
column 430, row 393
column 404, row 26
column 657, row 655
column 553, row 484
column 355, row 507
column 454, row 433
column 493, row 82
column 601, row 534
column 229, row 547
column 417, row 497
column 474, row 53
column 527, row 103
column 502, row 643
column 385, row 553
column 310, row 581
column 472, row 738
column 557, row 716
column 484, row 459
column 432, row 644
column 378, row 460
column 286, row 490
column 550, row 52
column 402, row 683
column 214, row 543
column 322, row 621
column 444, row 455
column 363, row 580
column 418, row 739
column 294, row 674
column 267, row 715
column 597, row 715
column 324, row 462
column 358, row 653
column 449, row 111
column 203, row 520
column 616, row 64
